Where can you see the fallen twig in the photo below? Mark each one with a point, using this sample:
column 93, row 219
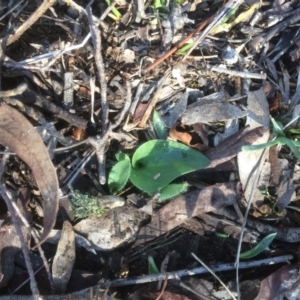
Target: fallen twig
column 96, row 38
column 195, row 271
column 233, row 4
column 176, row 47
column 242, row 74
column 30, row 21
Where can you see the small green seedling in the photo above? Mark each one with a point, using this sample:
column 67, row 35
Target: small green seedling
column 155, row 164
column 183, row 50
column 222, row 235
column 242, row 17
column 115, row 11
column 152, row 268
column 260, row 247
column 280, row 139
column 159, row 126
column 85, row 205
column 159, row 4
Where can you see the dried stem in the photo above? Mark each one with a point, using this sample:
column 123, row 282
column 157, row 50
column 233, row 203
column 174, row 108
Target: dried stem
column 180, row 44
column 30, row 21
column 96, row 38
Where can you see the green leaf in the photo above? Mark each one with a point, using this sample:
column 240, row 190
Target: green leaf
column 277, row 129
column 156, row 163
column 159, row 3
column 296, row 143
column 183, row 50
column 159, row 126
column 122, row 156
column 172, row 190
column 293, row 147
column 152, row 268
column 260, row 247
column 114, row 10
column 119, row 175
column 293, row 131
column 260, row 146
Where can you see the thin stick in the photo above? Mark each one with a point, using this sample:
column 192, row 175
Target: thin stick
column 238, row 73
column 212, row 273
column 237, row 261
column 30, row 21
column 100, row 144
column 96, row 38
column 6, row 195
column 163, row 288
column 14, row 92
column 195, row 271
column 11, row 10
column 216, row 21
column 180, row 44
column 26, row 224
column 152, row 102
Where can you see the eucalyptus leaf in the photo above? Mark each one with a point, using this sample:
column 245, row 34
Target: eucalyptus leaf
column 119, row 175
column 260, row 247
column 156, row 163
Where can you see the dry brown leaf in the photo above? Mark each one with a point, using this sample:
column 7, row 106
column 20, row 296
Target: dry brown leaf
column 17, row 133
column 282, row 284
column 187, row 206
column 64, row 258
column 191, row 139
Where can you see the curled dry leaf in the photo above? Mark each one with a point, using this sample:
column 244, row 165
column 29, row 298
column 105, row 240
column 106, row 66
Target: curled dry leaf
column 64, row 258
column 181, row 133
column 17, row 133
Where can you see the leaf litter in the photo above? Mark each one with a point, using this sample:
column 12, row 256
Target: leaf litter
column 83, row 82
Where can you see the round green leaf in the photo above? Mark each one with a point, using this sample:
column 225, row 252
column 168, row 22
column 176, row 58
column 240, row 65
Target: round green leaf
column 156, row 163
column 119, row 176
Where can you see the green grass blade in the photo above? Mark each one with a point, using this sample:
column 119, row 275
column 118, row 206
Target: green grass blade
column 152, row 268
column 277, row 129
column 260, row 146
column 260, row 247
column 293, row 147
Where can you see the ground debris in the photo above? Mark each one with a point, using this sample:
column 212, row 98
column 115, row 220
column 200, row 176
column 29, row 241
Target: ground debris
column 91, row 82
